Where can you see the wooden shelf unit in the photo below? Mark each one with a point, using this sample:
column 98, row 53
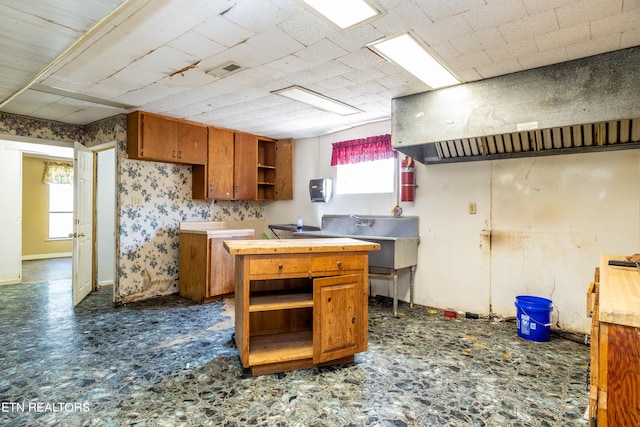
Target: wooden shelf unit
column 301, row 302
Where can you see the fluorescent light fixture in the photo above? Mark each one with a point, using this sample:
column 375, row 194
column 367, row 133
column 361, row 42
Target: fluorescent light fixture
column 315, row 99
column 343, row 13
column 405, row 51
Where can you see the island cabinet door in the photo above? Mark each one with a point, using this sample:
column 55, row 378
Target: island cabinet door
column 338, row 321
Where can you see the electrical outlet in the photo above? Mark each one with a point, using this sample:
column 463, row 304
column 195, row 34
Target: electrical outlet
column 472, row 208
column 136, row 201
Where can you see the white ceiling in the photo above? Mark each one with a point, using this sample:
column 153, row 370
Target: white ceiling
column 125, row 51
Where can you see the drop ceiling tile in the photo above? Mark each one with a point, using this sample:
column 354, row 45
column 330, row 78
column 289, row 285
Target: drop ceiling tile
column 330, row 69
column 259, row 16
column 205, row 9
column 471, row 60
column 469, row 75
column 439, row 10
column 543, row 58
column 512, row 50
column 563, row 37
column 603, row 27
column 364, row 79
column 321, row 51
column 432, row 33
column 289, row 64
column 630, row 38
column 196, row 45
column 274, row 44
column 136, row 77
column 223, row 31
column 587, row 10
column 494, row 13
column 164, row 60
column 499, row 68
column 480, row 40
column 537, row 6
column 362, row 59
column 594, row 46
column 307, row 28
column 353, row 40
column 525, row 28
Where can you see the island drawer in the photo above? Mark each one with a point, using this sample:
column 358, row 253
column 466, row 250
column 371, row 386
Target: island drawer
column 338, row 263
column 274, row 266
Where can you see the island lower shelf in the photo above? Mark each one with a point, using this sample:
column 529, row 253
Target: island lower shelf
column 276, row 348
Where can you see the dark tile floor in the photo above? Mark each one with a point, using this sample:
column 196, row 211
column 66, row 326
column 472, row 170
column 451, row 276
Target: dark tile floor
column 168, row 362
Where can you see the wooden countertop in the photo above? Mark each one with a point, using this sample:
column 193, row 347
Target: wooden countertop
column 619, row 293
column 297, row 246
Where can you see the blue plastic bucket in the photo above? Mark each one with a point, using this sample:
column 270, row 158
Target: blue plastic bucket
column 533, row 318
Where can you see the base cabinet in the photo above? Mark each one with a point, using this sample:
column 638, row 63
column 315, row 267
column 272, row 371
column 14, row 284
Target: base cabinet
column 614, row 301
column 206, row 269
column 299, row 310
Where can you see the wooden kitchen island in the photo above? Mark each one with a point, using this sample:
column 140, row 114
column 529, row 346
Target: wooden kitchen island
column 300, row 302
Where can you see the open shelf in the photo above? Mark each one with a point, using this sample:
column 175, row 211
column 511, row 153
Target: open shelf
column 264, row 349
column 280, row 301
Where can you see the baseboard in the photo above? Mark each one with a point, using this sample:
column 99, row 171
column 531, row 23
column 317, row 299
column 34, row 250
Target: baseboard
column 13, row 281
column 46, row 256
column 105, row 283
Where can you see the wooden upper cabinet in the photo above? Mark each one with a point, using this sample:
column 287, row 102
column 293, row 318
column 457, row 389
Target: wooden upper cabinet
column 284, row 169
column 246, row 171
column 164, row 139
column 191, row 143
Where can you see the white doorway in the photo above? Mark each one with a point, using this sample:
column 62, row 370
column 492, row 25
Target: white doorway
column 105, row 231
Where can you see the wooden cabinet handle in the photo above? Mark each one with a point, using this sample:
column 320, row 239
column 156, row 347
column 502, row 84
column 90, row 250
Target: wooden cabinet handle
column 180, row 154
column 173, row 154
column 280, row 266
column 353, row 320
column 339, row 264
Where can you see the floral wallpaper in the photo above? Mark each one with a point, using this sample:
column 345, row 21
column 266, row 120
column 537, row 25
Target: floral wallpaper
column 11, row 124
column 152, row 200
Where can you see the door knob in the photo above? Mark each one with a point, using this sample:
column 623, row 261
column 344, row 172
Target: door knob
column 72, row 234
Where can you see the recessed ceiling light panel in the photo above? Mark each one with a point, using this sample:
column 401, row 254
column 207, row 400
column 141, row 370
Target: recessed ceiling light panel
column 315, row 99
column 344, row 13
column 408, row 53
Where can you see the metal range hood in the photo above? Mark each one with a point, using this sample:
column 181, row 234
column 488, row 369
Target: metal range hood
column 585, row 105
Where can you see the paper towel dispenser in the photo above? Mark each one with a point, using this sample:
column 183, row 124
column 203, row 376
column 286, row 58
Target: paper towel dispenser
column 320, row 190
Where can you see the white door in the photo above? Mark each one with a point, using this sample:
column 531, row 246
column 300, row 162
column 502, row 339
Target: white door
column 82, row 223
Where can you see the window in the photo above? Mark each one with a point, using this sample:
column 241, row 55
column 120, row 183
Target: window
column 366, row 177
column 60, row 210
column 365, row 165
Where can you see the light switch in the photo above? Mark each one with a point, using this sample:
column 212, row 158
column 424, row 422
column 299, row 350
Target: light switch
column 472, row 208
column 136, row 201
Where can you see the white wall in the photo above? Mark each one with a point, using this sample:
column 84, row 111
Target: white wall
column 105, row 216
column 540, row 227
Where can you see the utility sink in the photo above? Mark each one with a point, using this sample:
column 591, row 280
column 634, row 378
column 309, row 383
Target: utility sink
column 397, row 236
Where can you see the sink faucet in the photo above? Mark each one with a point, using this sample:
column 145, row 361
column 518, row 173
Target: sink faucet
column 362, row 222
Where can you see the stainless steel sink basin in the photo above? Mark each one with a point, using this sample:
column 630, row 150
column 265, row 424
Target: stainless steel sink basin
column 398, row 239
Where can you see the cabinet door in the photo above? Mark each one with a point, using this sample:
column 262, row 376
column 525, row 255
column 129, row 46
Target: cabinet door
column 221, row 267
column 338, row 323
column 246, row 166
column 158, row 139
column 284, row 169
column 220, row 166
column 191, row 146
